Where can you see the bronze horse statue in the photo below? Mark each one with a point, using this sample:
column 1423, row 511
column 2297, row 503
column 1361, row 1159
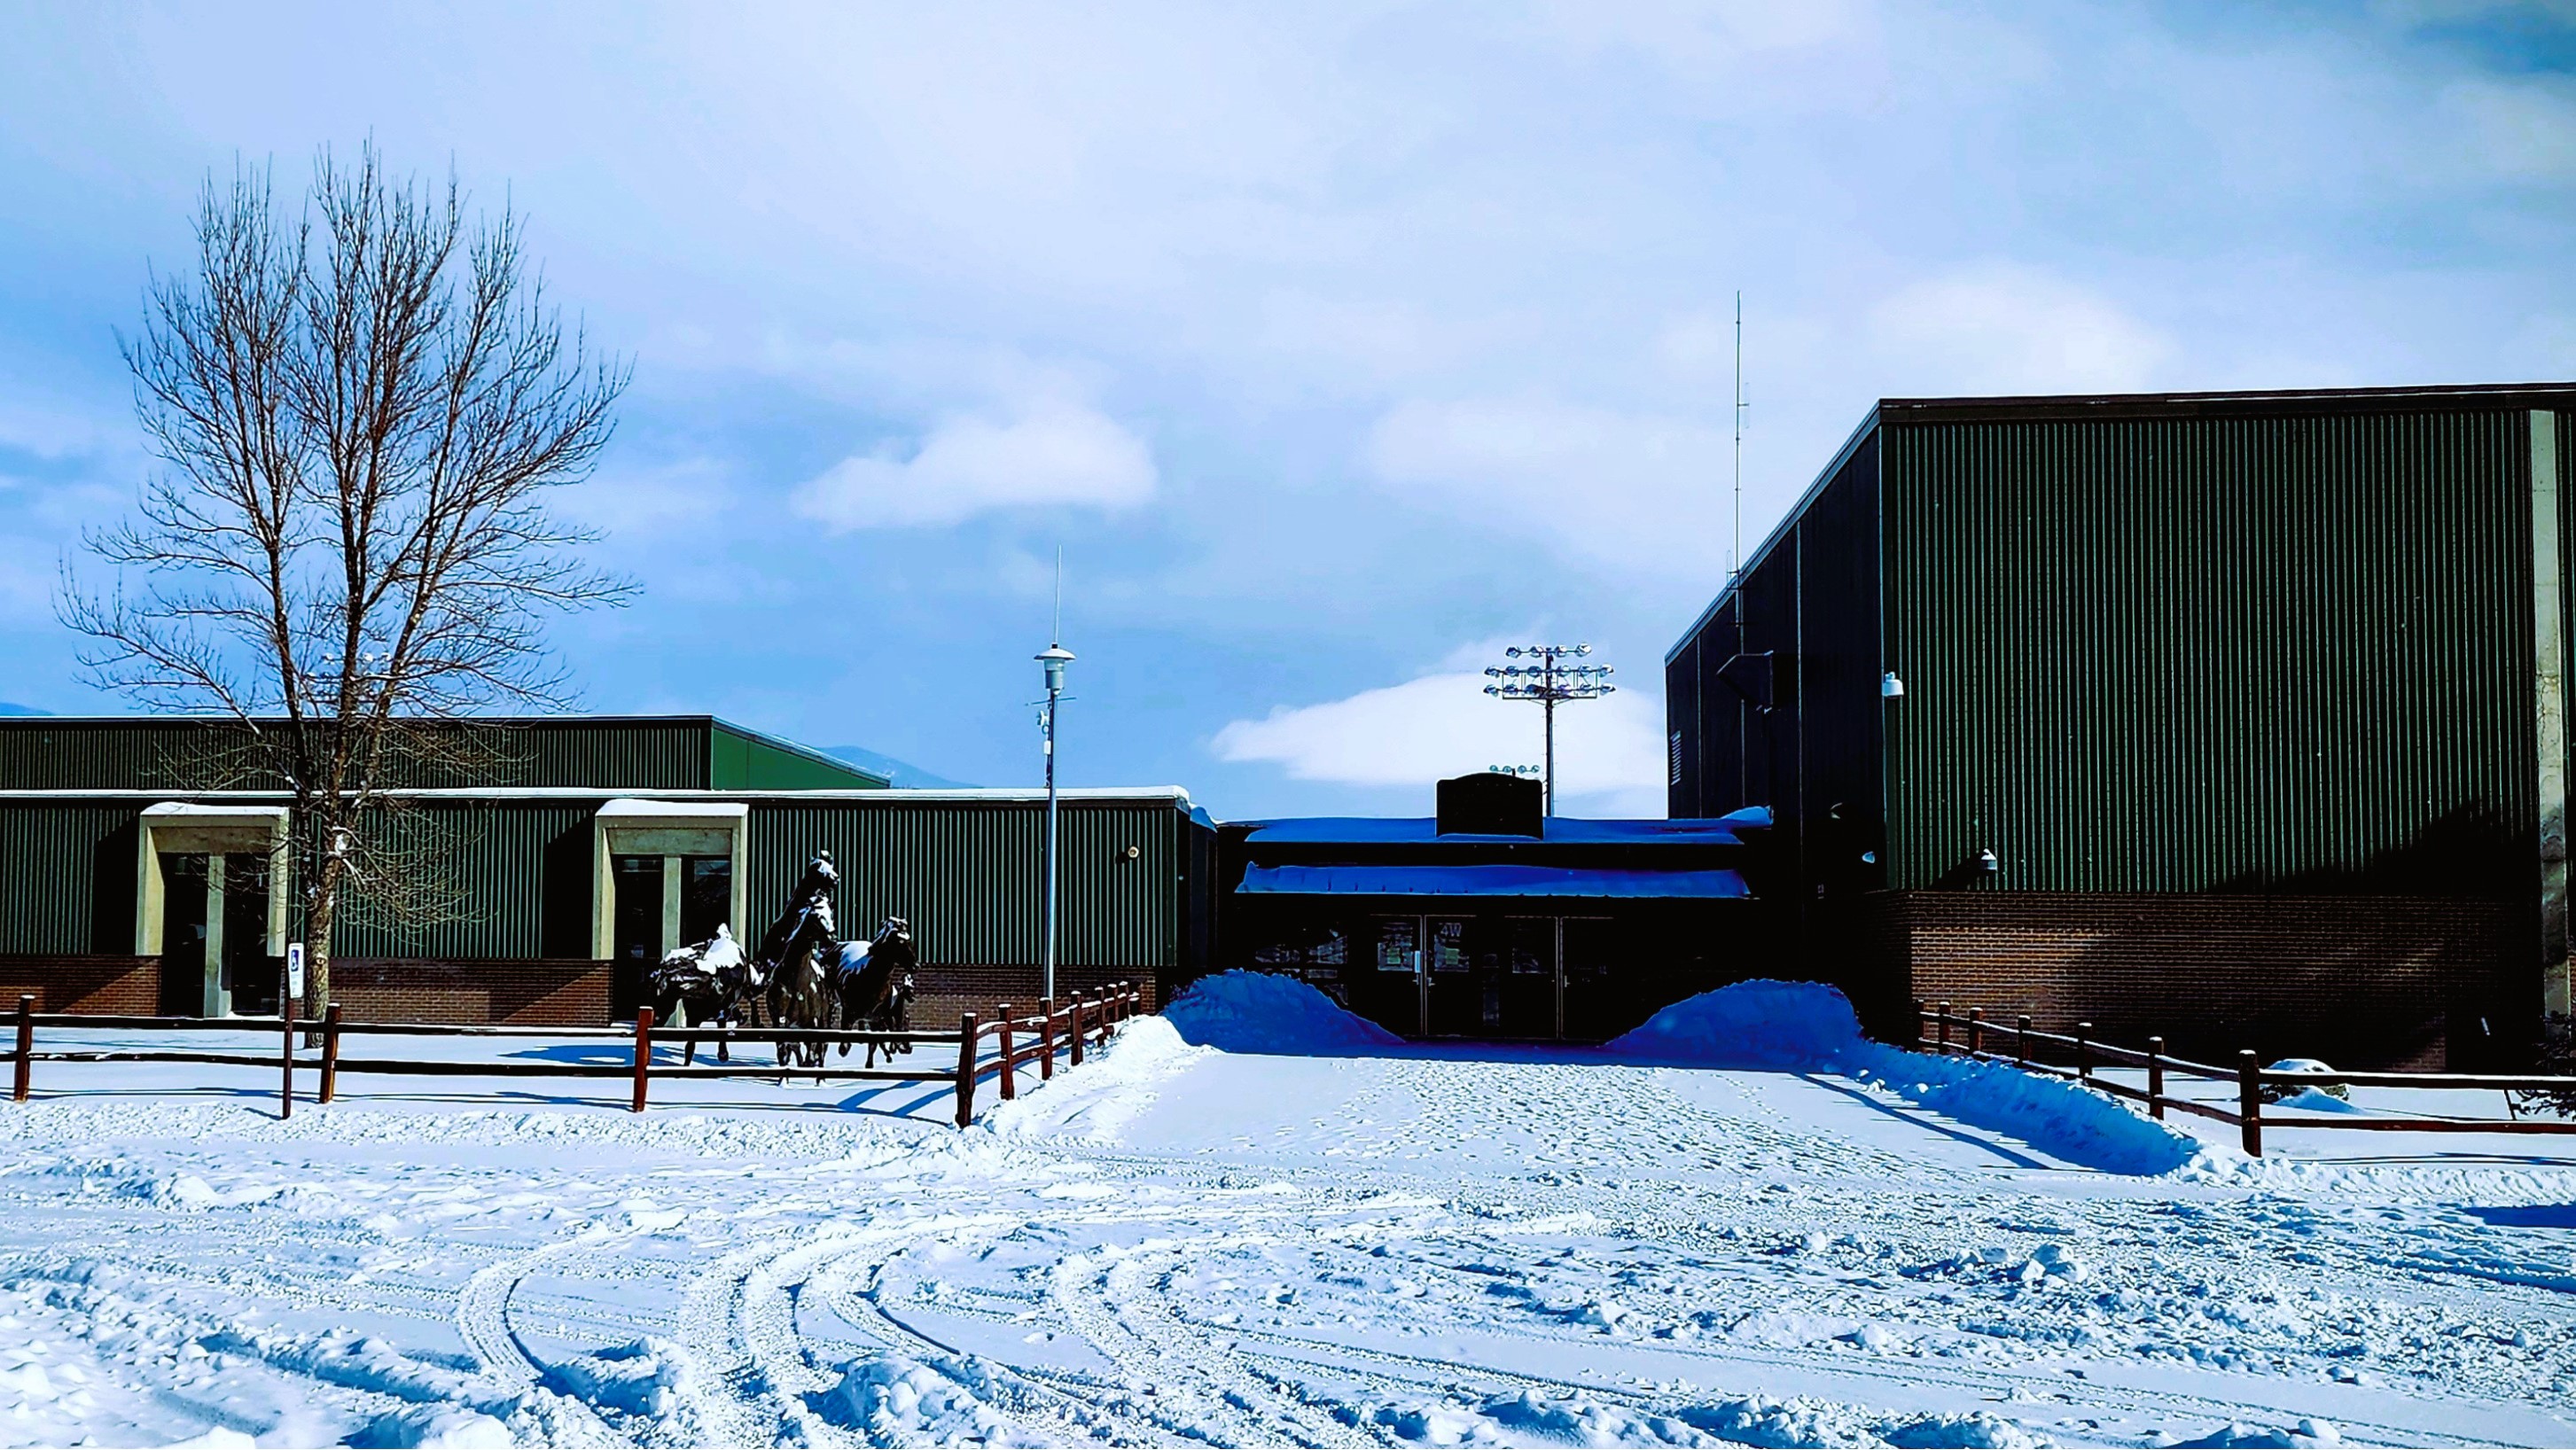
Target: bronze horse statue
column 800, row 986
column 872, row 981
column 714, row 982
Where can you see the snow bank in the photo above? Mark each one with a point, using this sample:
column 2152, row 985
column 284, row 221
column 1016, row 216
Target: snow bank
column 1266, row 1012
column 893, row 1400
column 1752, row 1024
column 1811, row 1027
column 646, row 1377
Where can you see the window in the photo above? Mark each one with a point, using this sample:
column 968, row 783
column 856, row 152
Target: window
column 1674, row 762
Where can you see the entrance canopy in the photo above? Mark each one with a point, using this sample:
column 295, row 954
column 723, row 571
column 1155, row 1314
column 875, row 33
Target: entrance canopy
column 1487, row 880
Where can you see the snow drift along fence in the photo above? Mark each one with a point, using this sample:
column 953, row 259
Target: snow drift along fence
column 2030, row 1050
column 1057, row 1029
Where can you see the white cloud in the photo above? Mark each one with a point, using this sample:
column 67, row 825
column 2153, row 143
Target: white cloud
column 2004, row 328
column 1054, row 453
column 1624, row 489
column 1608, row 753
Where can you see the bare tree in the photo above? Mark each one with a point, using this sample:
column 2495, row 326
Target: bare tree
column 360, row 411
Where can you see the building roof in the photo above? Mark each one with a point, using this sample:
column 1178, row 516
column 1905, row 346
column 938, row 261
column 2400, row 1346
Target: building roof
column 1493, row 879
column 1561, row 830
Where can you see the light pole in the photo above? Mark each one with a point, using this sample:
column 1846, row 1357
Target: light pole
column 1055, row 657
column 1547, row 682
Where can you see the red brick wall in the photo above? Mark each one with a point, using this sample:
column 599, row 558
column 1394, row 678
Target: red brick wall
column 2360, row 981
column 121, row 985
column 531, row 993
column 948, row 989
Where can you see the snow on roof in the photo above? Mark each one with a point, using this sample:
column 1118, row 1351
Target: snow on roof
column 1561, row 830
column 1490, row 880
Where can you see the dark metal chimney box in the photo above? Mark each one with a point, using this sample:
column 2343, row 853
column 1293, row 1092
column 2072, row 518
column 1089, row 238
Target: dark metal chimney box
column 1491, row 803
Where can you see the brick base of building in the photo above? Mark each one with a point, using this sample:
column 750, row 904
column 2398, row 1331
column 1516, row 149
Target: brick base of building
column 123, row 986
column 944, row 991
column 2366, row 982
column 522, row 993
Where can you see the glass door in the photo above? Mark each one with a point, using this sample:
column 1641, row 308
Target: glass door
column 636, row 942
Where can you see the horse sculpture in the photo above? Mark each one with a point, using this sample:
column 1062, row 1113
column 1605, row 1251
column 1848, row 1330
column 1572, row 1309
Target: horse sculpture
column 800, row 987
column 713, row 981
column 873, row 983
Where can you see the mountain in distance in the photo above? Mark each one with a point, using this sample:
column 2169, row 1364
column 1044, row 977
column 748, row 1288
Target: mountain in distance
column 901, row 774
column 8, row 709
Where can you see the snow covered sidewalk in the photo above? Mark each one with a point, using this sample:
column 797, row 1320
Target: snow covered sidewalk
column 1256, row 1222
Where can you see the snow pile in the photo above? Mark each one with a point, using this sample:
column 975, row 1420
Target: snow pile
column 1751, row 1024
column 1809, row 1026
column 644, row 1378
column 1266, row 1012
column 1538, row 1417
column 1098, row 1101
column 897, row 1401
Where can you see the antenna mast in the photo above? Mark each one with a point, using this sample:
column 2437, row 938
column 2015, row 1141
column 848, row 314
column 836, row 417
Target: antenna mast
column 1738, row 569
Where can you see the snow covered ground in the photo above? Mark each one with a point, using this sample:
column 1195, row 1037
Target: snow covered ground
column 1257, row 1222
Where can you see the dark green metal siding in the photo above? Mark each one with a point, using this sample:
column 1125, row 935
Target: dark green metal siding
column 67, row 876
column 967, row 875
column 2212, row 653
column 505, row 879
column 741, row 760
column 182, row 755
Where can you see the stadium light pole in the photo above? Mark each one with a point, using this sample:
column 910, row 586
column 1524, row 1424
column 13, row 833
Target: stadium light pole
column 1549, row 681
column 1055, row 657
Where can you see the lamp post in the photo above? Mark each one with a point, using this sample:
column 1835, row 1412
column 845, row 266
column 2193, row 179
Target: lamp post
column 1055, row 657
column 1547, row 682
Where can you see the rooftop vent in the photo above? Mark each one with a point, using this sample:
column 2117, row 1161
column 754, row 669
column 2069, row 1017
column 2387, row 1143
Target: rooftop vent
column 1491, row 803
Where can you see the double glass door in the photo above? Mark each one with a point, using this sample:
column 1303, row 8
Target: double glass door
column 1492, row 977
column 214, row 936
column 662, row 902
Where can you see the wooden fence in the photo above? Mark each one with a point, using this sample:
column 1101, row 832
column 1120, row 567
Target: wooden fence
column 2030, row 1050
column 1056, row 1029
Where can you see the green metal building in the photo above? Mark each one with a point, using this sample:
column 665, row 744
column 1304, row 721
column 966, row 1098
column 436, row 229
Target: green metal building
column 2237, row 717
column 141, row 869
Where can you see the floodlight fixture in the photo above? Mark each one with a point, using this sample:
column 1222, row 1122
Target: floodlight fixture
column 1549, row 682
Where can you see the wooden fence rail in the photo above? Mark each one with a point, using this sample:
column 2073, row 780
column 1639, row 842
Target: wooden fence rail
column 1935, row 1021
column 1062, row 1030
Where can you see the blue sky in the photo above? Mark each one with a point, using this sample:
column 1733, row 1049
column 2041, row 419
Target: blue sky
column 1336, row 346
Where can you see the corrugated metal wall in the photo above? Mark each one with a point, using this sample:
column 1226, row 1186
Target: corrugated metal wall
column 740, row 760
column 67, row 876
column 497, row 879
column 967, row 875
column 2212, row 653
column 1810, row 599
column 181, row 755
column 1681, row 722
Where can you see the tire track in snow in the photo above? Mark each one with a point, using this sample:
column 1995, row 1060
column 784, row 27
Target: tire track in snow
column 1106, row 1297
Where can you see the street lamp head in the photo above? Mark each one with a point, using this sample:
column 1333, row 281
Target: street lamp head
column 1054, row 657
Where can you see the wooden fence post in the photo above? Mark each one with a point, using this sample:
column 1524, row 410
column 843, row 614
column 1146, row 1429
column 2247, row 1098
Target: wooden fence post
column 1976, row 1030
column 2156, row 1077
column 2021, row 1040
column 286, row 1072
column 1010, row 1089
column 2249, row 1100
column 1922, row 1009
column 2084, row 1052
column 643, row 1053
column 330, row 1051
column 26, row 1046
column 1046, row 1039
column 1073, row 1030
column 966, row 1069
column 1943, row 1018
